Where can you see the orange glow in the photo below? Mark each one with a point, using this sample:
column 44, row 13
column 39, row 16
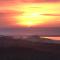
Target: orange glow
column 33, row 14
column 29, row 19
column 53, row 38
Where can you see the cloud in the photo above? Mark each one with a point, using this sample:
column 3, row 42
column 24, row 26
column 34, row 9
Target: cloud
column 30, row 1
column 41, row 1
column 5, row 0
column 6, row 19
column 51, row 14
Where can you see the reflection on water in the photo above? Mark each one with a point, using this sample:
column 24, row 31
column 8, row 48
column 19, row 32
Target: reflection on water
column 53, row 38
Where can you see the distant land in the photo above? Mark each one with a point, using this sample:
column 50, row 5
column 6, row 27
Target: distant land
column 31, row 31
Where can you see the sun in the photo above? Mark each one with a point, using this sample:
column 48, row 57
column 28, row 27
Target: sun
column 33, row 15
column 29, row 19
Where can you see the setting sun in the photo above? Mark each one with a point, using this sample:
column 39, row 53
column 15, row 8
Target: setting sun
column 29, row 19
column 35, row 14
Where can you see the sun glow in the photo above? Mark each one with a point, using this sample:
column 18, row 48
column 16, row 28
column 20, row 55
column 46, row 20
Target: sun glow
column 29, row 19
column 33, row 15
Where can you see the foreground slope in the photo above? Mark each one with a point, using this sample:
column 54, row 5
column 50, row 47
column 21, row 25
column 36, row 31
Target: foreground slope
column 24, row 49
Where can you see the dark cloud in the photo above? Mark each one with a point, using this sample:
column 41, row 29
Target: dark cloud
column 51, row 14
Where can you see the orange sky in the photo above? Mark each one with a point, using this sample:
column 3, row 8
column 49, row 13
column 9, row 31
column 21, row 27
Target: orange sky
column 29, row 13
column 53, row 38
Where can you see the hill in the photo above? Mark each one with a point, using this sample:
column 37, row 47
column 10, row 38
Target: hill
column 28, row 49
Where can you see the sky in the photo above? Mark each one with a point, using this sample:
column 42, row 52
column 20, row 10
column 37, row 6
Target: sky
column 30, row 13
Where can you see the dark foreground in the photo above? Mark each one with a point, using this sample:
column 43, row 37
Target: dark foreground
column 32, row 48
column 45, row 52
